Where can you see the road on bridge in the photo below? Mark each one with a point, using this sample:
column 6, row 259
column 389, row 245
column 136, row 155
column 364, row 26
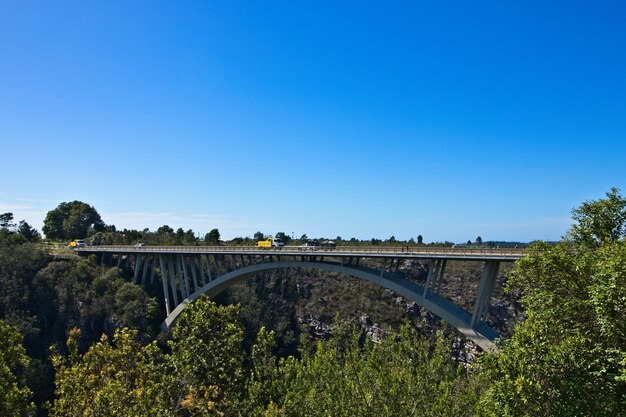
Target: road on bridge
column 423, row 252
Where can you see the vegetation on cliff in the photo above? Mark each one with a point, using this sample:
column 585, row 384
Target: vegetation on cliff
column 567, row 357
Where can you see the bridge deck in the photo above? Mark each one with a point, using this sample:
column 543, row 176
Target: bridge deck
column 465, row 254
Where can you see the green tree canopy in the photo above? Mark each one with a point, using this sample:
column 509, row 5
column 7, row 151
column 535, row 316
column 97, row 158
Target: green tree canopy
column 73, row 220
column 6, row 220
column 213, row 236
column 600, row 221
column 285, row 237
column 14, row 396
column 568, row 358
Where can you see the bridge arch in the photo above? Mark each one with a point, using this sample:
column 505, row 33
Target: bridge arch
column 483, row 335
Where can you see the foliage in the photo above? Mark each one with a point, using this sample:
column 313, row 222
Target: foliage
column 569, row 356
column 213, row 236
column 6, row 220
column 600, row 221
column 123, row 378
column 43, row 299
column 10, row 233
column 14, row 396
column 27, row 232
column 352, row 376
column 207, row 356
column 285, row 237
column 73, row 220
column 202, row 375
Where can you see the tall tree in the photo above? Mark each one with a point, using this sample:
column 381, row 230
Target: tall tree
column 29, row 233
column 6, row 220
column 73, row 220
column 285, row 238
column 213, row 236
column 600, row 221
column 207, row 353
column 569, row 355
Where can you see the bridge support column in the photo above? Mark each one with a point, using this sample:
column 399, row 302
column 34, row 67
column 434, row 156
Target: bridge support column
column 182, row 277
column 439, row 277
column 208, row 268
column 144, row 273
column 136, row 271
column 194, row 276
column 382, row 269
column 164, row 282
column 187, row 269
column 201, row 269
column 154, row 262
column 435, row 276
column 172, row 271
column 217, row 265
column 485, row 290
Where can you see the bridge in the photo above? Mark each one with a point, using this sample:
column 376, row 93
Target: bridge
column 187, row 272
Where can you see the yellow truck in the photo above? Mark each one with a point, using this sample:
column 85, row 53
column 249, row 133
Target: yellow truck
column 78, row 243
column 271, row 242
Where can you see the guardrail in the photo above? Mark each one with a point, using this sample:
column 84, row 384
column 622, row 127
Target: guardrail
column 339, row 250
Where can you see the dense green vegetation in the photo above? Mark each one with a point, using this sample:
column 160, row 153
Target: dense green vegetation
column 80, row 339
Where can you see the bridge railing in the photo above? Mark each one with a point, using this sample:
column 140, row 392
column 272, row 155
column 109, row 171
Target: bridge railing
column 344, row 250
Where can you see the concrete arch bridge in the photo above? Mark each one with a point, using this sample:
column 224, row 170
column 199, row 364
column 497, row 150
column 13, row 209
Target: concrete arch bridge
column 187, row 272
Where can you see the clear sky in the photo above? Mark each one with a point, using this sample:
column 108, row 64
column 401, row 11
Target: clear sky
column 447, row 119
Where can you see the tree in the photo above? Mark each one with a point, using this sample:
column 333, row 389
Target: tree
column 202, row 375
column 6, row 220
column 14, row 396
column 600, row 221
column 165, row 230
column 259, row 236
column 213, row 236
column 73, row 220
column 29, row 233
column 420, row 240
column 304, row 237
column 403, row 375
column 568, row 357
column 124, row 378
column 479, row 240
column 207, row 354
column 285, row 237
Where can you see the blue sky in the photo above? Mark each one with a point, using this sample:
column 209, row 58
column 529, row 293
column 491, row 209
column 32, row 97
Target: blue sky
column 447, row 119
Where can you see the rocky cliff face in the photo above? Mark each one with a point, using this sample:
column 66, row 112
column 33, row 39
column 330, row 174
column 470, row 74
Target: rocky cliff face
column 309, row 303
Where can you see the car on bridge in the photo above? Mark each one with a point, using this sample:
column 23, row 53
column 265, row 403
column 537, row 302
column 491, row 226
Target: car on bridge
column 310, row 244
column 78, row 243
